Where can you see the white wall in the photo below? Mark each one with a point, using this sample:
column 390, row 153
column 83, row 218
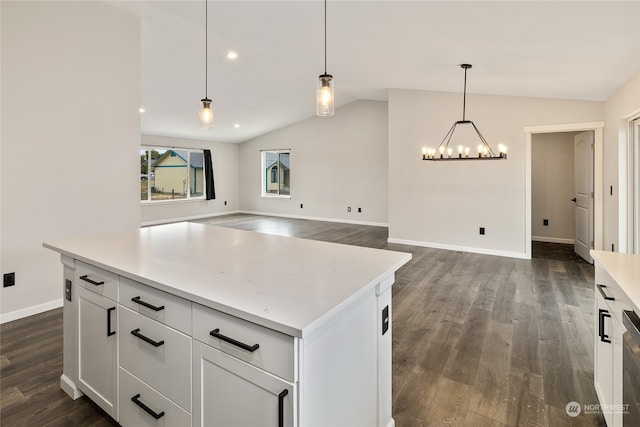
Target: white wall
column 443, row 204
column 225, row 170
column 70, row 134
column 336, row 162
column 619, row 108
column 552, row 187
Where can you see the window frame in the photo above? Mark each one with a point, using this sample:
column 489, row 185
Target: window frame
column 267, row 175
column 188, row 197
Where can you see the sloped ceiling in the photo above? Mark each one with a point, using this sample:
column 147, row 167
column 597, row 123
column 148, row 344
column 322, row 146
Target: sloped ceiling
column 552, row 49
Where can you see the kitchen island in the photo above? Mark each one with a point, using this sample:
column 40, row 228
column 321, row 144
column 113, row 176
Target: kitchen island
column 190, row 324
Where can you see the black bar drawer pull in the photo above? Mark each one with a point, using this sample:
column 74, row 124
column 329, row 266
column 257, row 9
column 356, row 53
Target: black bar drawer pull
column 136, row 333
column 109, row 331
column 281, row 397
column 604, row 295
column 216, row 333
column 136, row 399
column 137, row 300
column 93, row 282
column 602, row 314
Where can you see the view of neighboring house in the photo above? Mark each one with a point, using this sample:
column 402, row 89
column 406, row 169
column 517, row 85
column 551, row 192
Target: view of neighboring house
column 277, row 170
column 174, row 169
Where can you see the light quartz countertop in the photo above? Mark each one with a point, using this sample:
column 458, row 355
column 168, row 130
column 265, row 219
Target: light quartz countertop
column 624, row 269
column 284, row 283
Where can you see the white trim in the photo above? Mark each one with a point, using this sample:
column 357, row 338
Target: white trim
column 315, row 218
column 569, row 127
column 598, row 175
column 30, row 311
column 171, row 201
column 186, row 218
column 553, row 240
column 456, row 248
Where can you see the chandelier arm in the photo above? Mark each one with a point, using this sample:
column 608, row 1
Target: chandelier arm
column 448, row 136
column 484, row 141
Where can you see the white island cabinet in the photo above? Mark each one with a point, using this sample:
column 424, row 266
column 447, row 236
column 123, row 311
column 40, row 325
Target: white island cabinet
column 208, row 326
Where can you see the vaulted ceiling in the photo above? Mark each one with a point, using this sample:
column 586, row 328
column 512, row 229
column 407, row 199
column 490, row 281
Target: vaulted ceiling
column 572, row 50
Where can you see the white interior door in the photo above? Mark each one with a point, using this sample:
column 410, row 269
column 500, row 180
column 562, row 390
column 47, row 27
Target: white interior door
column 583, row 181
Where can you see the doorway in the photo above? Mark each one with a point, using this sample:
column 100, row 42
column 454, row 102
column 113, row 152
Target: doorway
column 596, row 200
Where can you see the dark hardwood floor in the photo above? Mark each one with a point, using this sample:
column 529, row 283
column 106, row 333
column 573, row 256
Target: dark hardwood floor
column 477, row 340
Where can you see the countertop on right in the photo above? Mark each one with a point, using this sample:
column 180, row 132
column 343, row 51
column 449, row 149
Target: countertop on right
column 624, row 269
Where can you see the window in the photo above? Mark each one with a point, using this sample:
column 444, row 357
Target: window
column 276, row 171
column 633, row 211
column 171, row 174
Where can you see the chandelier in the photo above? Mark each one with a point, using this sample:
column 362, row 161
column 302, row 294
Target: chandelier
column 445, row 152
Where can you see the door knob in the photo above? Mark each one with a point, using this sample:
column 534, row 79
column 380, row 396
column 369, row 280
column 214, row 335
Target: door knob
column 573, row 200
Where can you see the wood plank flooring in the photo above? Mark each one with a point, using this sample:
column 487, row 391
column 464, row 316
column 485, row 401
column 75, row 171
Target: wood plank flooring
column 477, row 340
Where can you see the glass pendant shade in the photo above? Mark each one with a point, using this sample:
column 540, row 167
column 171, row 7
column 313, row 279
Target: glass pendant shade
column 206, row 114
column 324, row 95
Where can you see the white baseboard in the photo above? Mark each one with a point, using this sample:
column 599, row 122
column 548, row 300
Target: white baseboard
column 553, row 240
column 484, row 251
column 315, row 218
column 69, row 387
column 186, row 218
column 30, row 311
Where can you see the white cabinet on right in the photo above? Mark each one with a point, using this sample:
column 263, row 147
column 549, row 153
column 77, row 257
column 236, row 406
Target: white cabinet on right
column 617, row 289
column 607, row 352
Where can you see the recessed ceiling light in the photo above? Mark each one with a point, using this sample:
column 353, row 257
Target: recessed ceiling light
column 232, row 55
column 140, row 110
column 236, row 126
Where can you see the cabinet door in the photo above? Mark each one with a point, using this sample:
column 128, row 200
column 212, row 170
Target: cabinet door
column 603, row 354
column 616, row 387
column 230, row 392
column 97, row 373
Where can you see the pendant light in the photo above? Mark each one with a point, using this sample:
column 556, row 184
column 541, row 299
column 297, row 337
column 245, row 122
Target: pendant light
column 206, row 112
column 444, row 152
column 324, row 87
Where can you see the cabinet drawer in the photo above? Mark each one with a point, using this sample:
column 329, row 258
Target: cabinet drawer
column 158, row 305
column 275, row 351
column 97, row 280
column 150, row 404
column 158, row 355
column 614, row 297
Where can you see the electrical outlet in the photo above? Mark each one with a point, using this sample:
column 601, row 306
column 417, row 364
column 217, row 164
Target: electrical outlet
column 225, row 203
column 9, row 279
column 359, row 210
column 349, row 209
column 482, row 231
column 545, row 222
column 301, row 206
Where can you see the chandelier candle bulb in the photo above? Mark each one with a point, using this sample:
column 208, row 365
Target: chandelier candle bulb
column 424, row 153
column 466, row 152
column 449, row 152
column 460, row 150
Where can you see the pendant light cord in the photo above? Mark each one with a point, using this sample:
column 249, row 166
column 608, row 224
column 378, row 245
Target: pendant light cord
column 206, row 48
column 325, row 36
